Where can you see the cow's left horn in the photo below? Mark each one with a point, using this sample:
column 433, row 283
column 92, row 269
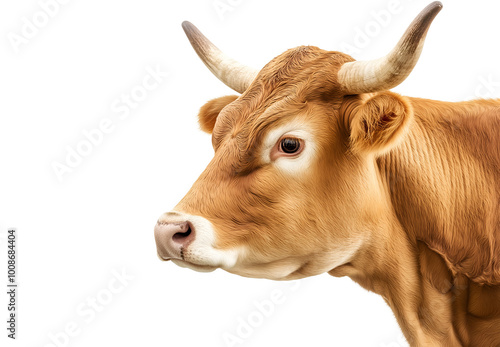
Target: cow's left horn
column 389, row 71
column 235, row 75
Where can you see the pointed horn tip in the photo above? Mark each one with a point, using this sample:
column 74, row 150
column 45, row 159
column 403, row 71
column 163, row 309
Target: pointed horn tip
column 432, row 9
column 436, row 5
column 418, row 28
column 188, row 27
column 199, row 42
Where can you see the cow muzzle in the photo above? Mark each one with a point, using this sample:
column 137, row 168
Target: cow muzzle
column 189, row 241
column 172, row 238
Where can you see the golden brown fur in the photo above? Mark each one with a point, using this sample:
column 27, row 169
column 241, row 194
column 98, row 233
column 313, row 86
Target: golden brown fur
column 412, row 185
column 452, row 155
column 211, row 110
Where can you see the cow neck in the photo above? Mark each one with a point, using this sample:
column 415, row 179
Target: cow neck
column 390, row 266
column 404, row 263
column 438, row 172
column 429, row 179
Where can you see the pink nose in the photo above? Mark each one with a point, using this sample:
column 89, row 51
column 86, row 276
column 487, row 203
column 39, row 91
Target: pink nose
column 173, row 238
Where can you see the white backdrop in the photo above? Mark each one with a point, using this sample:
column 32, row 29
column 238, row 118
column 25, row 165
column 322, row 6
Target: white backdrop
column 88, row 270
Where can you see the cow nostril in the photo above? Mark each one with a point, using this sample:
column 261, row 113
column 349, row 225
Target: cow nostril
column 172, row 238
column 182, row 235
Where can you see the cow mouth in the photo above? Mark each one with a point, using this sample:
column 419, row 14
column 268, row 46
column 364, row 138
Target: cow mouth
column 193, row 266
column 168, row 257
column 163, row 258
column 187, row 264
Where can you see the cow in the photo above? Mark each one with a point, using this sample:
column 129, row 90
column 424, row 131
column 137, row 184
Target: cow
column 319, row 168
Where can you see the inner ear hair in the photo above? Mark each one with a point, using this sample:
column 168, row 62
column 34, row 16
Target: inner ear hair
column 380, row 123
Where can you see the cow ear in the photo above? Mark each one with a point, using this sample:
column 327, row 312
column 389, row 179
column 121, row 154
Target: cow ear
column 380, row 123
column 209, row 112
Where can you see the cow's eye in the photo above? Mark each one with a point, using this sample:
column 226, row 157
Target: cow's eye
column 290, row 145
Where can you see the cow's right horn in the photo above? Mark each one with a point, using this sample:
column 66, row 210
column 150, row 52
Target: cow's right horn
column 235, row 75
column 387, row 72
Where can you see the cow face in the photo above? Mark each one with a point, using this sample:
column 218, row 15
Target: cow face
column 292, row 190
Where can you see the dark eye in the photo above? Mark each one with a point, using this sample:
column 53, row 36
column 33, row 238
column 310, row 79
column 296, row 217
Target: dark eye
column 290, row 145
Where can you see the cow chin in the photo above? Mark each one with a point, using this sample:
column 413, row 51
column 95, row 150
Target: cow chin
column 292, row 267
column 286, row 269
column 195, row 267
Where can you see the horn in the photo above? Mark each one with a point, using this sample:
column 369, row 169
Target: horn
column 233, row 74
column 387, row 72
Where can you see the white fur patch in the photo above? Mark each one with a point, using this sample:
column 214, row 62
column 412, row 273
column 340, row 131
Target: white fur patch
column 200, row 254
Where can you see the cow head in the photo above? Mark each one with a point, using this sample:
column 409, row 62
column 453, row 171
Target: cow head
column 292, row 190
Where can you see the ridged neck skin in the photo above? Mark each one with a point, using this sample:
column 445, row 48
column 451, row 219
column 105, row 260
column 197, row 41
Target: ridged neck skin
column 434, row 256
